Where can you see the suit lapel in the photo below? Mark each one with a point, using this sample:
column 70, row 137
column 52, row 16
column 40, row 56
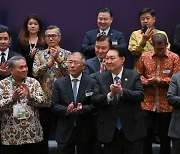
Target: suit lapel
column 124, row 78
column 97, row 63
column 68, row 87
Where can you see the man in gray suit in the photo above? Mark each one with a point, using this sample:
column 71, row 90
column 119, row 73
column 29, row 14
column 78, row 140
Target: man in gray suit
column 174, row 100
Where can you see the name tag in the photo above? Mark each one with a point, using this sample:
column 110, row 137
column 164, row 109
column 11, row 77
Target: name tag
column 167, row 71
column 114, row 42
column 88, row 93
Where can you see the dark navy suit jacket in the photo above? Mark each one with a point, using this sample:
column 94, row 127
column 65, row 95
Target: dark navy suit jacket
column 87, row 47
column 62, row 96
column 127, row 108
column 92, row 67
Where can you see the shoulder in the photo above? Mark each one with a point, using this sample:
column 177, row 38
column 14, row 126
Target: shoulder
column 116, row 32
column 94, row 31
column 88, row 79
column 172, row 54
column 147, row 54
column 65, row 51
column 91, row 60
column 32, row 80
column 5, row 82
column 136, row 32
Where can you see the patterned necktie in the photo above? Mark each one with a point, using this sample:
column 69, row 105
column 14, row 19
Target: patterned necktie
column 118, row 125
column 3, row 57
column 103, row 33
column 75, row 89
column 117, row 80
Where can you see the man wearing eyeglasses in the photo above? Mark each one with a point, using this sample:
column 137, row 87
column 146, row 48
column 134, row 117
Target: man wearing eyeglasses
column 49, row 65
column 156, row 68
column 71, row 102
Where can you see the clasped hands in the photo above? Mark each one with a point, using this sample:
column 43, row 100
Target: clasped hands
column 152, row 81
column 20, row 92
column 54, row 52
column 115, row 89
column 72, row 109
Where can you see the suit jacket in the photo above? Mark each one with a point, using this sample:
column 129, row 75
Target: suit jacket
column 174, row 100
column 62, row 96
column 127, row 109
column 87, row 47
column 92, row 67
column 10, row 54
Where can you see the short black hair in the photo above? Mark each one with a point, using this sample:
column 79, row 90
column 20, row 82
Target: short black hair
column 105, row 10
column 102, row 38
column 5, row 29
column 147, row 10
column 159, row 38
column 120, row 50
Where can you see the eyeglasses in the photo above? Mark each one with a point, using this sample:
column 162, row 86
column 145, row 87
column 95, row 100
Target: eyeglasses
column 53, row 36
column 159, row 49
column 75, row 62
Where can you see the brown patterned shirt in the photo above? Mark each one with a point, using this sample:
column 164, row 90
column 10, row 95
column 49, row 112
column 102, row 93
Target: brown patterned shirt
column 18, row 130
column 150, row 66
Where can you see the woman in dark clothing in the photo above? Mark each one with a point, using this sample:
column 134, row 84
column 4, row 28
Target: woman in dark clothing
column 31, row 39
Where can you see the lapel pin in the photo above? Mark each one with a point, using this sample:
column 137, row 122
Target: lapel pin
column 126, row 79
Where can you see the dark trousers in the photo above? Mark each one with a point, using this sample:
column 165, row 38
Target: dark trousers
column 163, row 120
column 69, row 147
column 120, row 145
column 176, row 145
column 21, row 149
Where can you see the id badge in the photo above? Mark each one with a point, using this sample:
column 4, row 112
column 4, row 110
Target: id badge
column 166, row 71
column 19, row 111
column 114, row 42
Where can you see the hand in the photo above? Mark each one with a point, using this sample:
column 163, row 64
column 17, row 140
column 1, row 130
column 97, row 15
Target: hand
column 116, row 89
column 79, row 108
column 152, row 81
column 25, row 90
column 17, row 93
column 32, row 54
column 148, row 34
column 4, row 69
column 70, row 108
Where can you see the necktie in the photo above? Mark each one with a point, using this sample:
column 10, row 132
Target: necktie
column 75, row 89
column 118, row 125
column 103, row 33
column 117, row 80
column 3, row 57
column 102, row 66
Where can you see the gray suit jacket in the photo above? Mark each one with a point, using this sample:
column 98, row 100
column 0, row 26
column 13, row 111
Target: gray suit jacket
column 174, row 100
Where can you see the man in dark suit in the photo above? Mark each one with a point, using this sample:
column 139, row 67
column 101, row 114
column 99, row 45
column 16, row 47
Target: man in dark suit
column 5, row 52
column 104, row 20
column 119, row 92
column 96, row 65
column 71, row 102
column 174, row 100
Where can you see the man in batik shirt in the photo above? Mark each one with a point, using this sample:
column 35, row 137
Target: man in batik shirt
column 21, row 131
column 156, row 68
column 49, row 65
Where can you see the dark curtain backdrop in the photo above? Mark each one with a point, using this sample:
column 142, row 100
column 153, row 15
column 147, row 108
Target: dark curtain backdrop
column 75, row 17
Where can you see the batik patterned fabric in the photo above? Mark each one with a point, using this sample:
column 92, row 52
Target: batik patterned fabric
column 150, row 66
column 17, row 131
column 47, row 75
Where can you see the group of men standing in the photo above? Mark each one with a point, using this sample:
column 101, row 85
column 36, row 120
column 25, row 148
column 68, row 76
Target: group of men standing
column 98, row 97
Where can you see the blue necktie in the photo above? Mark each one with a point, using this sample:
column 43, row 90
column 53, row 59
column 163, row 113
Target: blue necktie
column 3, row 57
column 118, row 125
column 75, row 89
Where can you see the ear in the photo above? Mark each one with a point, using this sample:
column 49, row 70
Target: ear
column 154, row 19
column 10, row 70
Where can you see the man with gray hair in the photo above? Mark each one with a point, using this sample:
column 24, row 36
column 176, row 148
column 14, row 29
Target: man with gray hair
column 50, row 64
column 21, row 131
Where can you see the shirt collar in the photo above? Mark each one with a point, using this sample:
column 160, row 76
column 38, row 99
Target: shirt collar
column 119, row 75
column 166, row 53
column 106, row 31
column 79, row 77
column 6, row 52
